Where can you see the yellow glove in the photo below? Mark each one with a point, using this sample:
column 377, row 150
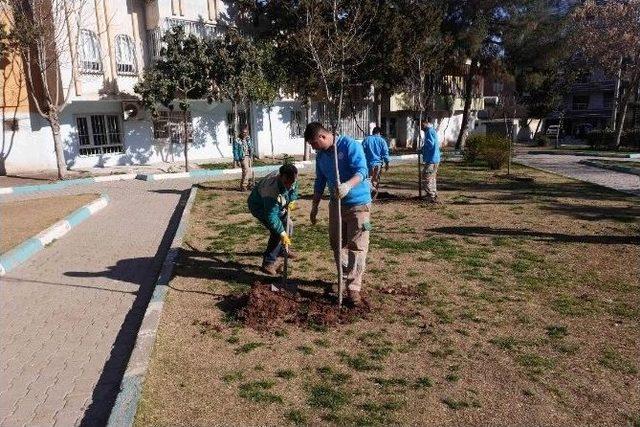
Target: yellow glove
column 285, row 239
column 292, row 206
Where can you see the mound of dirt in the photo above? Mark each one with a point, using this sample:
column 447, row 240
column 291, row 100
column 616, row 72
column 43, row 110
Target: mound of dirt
column 264, row 309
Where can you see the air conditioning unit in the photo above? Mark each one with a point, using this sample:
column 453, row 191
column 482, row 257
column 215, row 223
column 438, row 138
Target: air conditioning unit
column 132, row 110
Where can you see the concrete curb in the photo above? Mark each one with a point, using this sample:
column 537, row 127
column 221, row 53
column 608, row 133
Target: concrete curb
column 16, row 256
column 617, row 168
column 126, row 404
column 561, row 152
column 25, row 189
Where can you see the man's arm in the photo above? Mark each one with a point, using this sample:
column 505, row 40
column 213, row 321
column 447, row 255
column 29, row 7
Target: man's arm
column 385, row 151
column 272, row 215
column 357, row 166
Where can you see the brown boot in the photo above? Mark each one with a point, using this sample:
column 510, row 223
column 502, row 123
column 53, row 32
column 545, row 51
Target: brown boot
column 269, row 268
column 292, row 255
column 355, row 298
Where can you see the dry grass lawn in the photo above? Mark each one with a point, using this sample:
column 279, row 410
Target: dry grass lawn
column 516, row 302
column 24, row 219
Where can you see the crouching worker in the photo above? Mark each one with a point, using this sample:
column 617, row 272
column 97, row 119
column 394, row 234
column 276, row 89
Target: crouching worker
column 270, row 200
column 353, row 192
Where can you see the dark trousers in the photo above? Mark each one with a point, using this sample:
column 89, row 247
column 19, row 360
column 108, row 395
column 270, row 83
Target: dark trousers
column 274, row 247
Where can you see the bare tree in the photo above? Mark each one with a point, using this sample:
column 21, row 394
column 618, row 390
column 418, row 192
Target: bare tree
column 44, row 33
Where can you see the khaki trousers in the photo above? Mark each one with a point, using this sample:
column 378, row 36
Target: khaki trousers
column 429, row 176
column 244, row 180
column 355, row 225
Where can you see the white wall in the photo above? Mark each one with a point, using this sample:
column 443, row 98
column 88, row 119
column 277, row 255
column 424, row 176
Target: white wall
column 283, row 143
column 31, row 147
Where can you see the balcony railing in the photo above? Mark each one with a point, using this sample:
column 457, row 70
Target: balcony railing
column 197, row 28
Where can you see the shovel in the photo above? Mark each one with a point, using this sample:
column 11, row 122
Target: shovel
column 284, row 285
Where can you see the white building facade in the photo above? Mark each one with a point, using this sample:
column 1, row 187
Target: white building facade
column 103, row 125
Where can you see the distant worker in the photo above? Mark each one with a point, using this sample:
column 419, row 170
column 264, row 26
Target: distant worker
column 269, row 201
column 354, row 193
column 242, row 155
column 431, row 159
column 376, row 150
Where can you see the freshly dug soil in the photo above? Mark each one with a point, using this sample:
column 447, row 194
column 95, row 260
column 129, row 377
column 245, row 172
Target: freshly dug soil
column 264, row 309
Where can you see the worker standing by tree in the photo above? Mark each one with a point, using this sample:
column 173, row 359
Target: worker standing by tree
column 376, row 151
column 269, row 201
column 242, row 154
column 431, row 158
column 354, row 194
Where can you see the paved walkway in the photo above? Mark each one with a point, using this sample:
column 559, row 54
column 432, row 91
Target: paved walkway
column 70, row 314
column 569, row 166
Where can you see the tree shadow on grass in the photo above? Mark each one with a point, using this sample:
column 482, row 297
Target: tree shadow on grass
column 538, row 235
column 625, row 214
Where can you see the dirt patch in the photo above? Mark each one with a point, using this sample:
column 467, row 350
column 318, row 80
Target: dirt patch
column 264, row 309
column 24, row 219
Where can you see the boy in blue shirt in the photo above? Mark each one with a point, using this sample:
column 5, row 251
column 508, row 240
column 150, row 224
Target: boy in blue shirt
column 431, row 159
column 353, row 192
column 376, row 151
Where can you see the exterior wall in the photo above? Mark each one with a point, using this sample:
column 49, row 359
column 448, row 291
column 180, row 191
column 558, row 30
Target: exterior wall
column 283, row 142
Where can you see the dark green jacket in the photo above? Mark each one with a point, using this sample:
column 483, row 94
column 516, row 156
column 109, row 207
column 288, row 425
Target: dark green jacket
column 268, row 200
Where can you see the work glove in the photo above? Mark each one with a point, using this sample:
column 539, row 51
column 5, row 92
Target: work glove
column 313, row 216
column 285, row 239
column 292, row 206
column 343, row 189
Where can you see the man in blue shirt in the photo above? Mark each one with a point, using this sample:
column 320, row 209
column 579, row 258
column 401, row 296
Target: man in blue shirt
column 353, row 192
column 376, row 151
column 431, row 159
column 269, row 201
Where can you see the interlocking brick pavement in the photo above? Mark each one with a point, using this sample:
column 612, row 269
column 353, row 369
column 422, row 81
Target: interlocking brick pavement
column 69, row 315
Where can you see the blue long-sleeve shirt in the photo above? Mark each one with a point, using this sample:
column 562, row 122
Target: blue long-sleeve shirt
column 351, row 161
column 376, row 150
column 431, row 147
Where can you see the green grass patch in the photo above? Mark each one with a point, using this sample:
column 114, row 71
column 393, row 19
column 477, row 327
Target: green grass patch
column 505, row 343
column 556, row 331
column 361, row 362
column 257, row 391
column 613, row 360
column 232, row 376
column 248, row 347
column 328, row 397
column 285, row 374
column 570, row 306
column 535, row 363
column 305, row 349
column 296, row 417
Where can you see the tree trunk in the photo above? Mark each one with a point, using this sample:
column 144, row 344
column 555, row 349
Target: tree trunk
column 234, row 113
column 535, row 132
column 271, row 132
column 617, row 96
column 186, row 140
column 305, row 156
column 620, row 127
column 378, row 97
column 54, row 122
column 468, row 98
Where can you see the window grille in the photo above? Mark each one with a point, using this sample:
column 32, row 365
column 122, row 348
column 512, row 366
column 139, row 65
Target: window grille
column 126, row 63
column 99, row 134
column 242, row 122
column 90, row 56
column 296, row 124
column 580, row 102
column 169, row 125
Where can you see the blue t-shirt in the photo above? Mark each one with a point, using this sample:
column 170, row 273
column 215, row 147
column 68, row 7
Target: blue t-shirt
column 431, row 147
column 351, row 161
column 376, row 150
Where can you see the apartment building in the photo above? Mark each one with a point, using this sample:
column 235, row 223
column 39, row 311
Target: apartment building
column 110, row 43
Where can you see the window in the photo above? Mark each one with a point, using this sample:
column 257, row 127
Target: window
column 242, row 121
column 90, row 57
column 296, row 124
column 125, row 55
column 580, row 102
column 99, row 134
column 169, row 125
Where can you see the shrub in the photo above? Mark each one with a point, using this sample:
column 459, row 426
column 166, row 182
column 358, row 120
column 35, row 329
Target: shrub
column 542, row 140
column 599, row 139
column 495, row 150
column 472, row 148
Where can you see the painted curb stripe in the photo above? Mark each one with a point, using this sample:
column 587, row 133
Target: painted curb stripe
column 35, row 244
column 124, row 409
column 26, row 189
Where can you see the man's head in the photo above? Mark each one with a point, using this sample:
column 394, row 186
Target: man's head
column 288, row 175
column 317, row 136
column 376, row 131
column 244, row 132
